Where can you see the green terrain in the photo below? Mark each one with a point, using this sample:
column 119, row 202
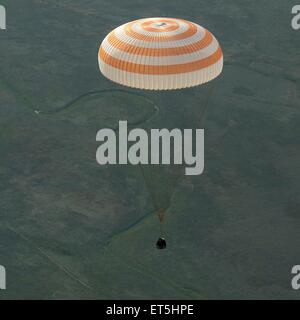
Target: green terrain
column 70, row 228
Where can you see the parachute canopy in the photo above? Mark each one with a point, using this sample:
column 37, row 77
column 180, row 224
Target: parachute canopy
column 160, row 54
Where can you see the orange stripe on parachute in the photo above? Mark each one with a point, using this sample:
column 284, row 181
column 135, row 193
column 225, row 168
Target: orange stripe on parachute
column 173, row 25
column 160, row 69
column 133, row 34
column 160, row 52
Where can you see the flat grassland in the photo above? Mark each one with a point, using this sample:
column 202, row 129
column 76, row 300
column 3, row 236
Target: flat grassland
column 70, row 228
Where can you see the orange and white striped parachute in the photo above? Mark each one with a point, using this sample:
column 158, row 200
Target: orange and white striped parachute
column 160, row 54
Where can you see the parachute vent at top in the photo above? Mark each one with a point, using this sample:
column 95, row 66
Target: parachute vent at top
column 160, row 54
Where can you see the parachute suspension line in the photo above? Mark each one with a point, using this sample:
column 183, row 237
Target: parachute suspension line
column 206, row 103
column 161, row 217
column 159, row 211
